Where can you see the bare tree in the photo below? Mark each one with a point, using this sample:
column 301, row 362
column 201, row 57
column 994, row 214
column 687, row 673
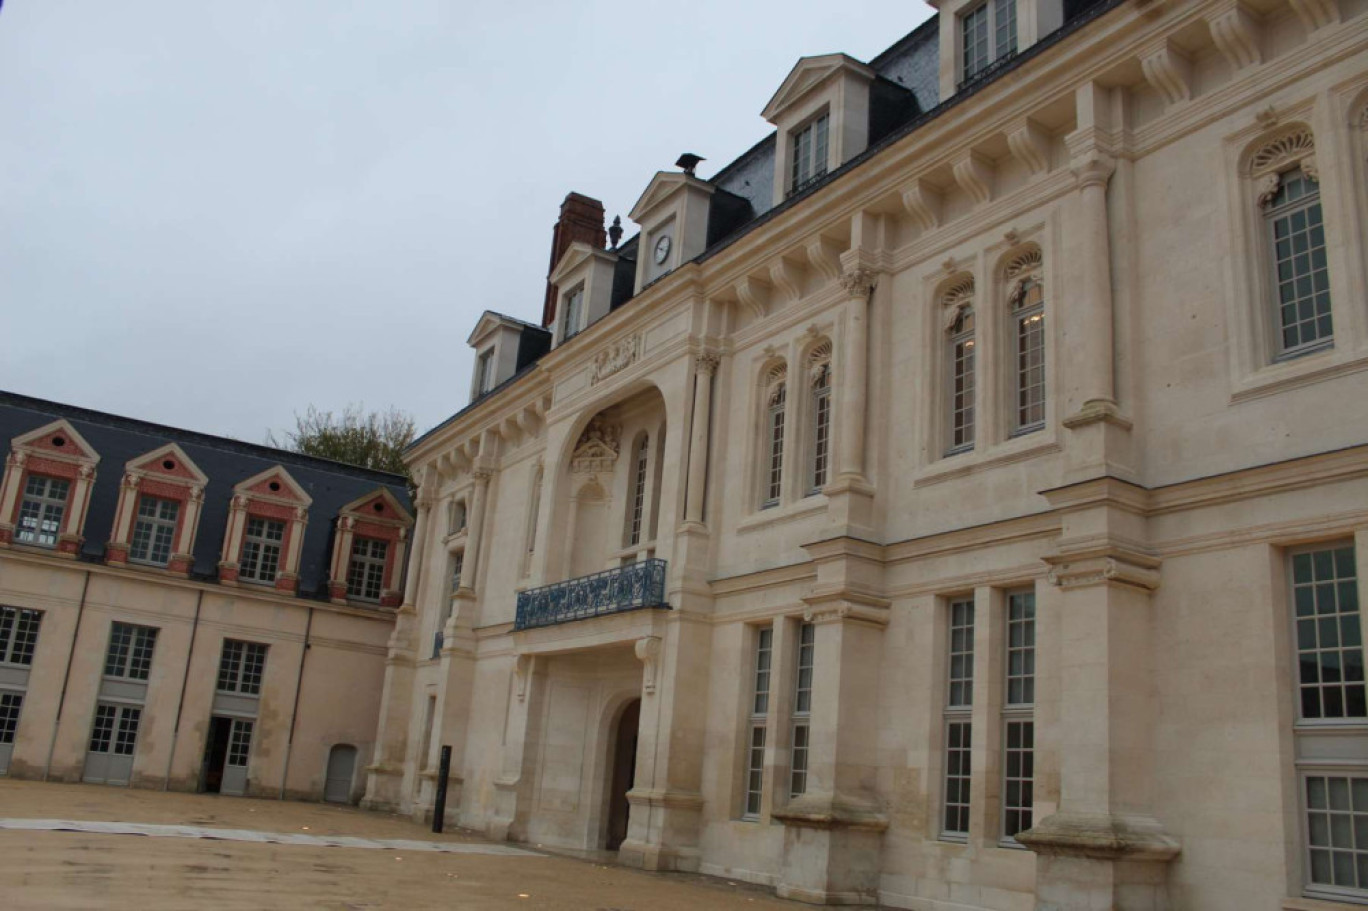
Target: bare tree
column 370, row 439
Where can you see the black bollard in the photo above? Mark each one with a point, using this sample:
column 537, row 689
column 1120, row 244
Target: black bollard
column 439, row 806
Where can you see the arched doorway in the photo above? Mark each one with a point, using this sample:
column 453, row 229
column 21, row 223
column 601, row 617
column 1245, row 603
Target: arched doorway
column 623, row 757
column 341, row 771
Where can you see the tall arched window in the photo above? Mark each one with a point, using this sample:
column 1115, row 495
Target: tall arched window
column 819, row 378
column 776, row 394
column 636, row 496
column 959, row 306
column 1026, row 305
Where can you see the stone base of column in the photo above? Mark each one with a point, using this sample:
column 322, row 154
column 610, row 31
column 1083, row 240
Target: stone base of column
column 504, row 824
column 1092, row 861
column 850, row 506
column 833, row 851
column 383, row 784
column 662, row 831
column 1095, row 411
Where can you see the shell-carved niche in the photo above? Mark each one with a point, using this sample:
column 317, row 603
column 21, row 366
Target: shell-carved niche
column 819, row 365
column 774, row 385
column 957, row 303
column 597, row 449
column 1295, row 148
column 1023, row 272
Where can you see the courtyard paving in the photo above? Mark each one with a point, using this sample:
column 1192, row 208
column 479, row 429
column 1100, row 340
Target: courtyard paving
column 148, row 850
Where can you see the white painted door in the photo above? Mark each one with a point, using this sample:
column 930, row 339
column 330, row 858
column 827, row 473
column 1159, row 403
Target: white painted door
column 10, row 704
column 113, row 741
column 235, row 765
column 341, row 769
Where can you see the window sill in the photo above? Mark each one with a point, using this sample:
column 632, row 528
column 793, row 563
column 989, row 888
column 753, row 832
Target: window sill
column 1016, row 449
column 1293, row 373
column 1321, row 904
column 775, row 515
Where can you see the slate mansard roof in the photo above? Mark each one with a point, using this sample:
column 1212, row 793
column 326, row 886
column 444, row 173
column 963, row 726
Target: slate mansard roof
column 225, row 462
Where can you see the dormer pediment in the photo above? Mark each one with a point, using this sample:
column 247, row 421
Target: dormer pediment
column 575, row 256
column 810, row 74
column 379, row 505
column 58, row 440
column 276, row 485
column 169, row 461
column 491, row 322
column 662, row 188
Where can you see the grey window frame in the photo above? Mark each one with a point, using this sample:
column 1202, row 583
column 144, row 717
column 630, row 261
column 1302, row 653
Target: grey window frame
column 636, row 501
column 1275, row 214
column 367, row 568
column 242, row 667
column 130, row 651
column 776, row 401
column 572, row 319
column 961, row 382
column 1018, row 713
column 809, row 152
column 999, row 39
column 153, row 532
column 804, row 679
column 819, row 466
column 757, row 725
column 43, row 507
column 1028, row 337
column 11, row 707
column 19, row 629
column 957, row 720
column 257, row 545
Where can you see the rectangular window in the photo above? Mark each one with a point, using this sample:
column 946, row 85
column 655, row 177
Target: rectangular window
column 241, row 667
column 366, row 573
column 574, row 307
column 643, row 455
column 484, row 372
column 958, row 727
column 115, row 729
column 457, row 567
column 154, row 530
column 10, row 704
column 239, row 742
column 759, row 714
column 802, row 709
column 1018, row 766
column 774, row 474
column 821, row 429
column 130, row 651
column 1028, row 314
column 809, row 155
column 1328, row 633
column 1337, row 836
column 988, row 33
column 41, row 510
column 261, row 550
column 18, row 634
column 1301, row 275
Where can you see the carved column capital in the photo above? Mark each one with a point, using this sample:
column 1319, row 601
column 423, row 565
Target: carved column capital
column 859, row 282
column 708, row 363
column 1092, row 169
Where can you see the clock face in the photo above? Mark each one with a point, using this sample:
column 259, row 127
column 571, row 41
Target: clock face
column 662, row 249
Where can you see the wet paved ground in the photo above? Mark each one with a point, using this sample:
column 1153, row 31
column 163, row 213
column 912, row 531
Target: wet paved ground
column 296, row 855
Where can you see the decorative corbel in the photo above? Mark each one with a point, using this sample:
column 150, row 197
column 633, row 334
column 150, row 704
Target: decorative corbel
column 648, row 652
column 1316, row 14
column 824, row 255
column 1030, row 145
column 1168, row 72
column 754, row 294
column 1235, row 32
column 785, row 276
column 922, row 202
column 522, row 670
column 974, row 174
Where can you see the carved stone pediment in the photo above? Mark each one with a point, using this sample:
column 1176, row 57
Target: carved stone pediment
column 597, row 449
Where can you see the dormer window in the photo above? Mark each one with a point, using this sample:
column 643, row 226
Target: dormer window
column 809, row 161
column 40, row 514
column 574, row 313
column 988, row 34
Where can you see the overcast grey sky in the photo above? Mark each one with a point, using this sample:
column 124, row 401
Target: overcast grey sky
column 215, row 214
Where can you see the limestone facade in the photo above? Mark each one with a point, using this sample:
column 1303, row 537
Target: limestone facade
column 992, row 464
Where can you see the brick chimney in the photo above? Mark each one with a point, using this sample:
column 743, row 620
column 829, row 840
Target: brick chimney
column 581, row 218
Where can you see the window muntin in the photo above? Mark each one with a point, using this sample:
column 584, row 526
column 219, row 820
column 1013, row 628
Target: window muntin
column 802, row 709
column 115, row 729
column 637, row 499
column 41, row 510
column 574, row 314
column 261, row 544
column 130, row 651
column 1301, row 277
column 18, row 634
column 1018, row 758
column 988, row 33
column 457, row 567
column 958, row 726
column 1328, row 634
column 241, row 667
column 239, row 742
column 10, row 705
column 755, row 746
column 821, row 428
column 1028, row 323
column 774, row 455
column 1336, row 809
column 961, row 403
column 809, row 158
column 154, row 530
column 366, row 571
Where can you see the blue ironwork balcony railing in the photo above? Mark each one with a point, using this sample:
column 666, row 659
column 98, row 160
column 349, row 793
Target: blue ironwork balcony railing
column 631, row 587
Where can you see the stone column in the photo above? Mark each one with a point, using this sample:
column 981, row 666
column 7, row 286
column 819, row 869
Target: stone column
column 666, row 800
column 116, row 551
column 513, row 786
column 9, row 493
column 418, row 554
column 698, row 442
column 1103, row 848
column 70, row 540
column 1092, row 173
column 854, row 377
column 183, row 552
column 475, row 528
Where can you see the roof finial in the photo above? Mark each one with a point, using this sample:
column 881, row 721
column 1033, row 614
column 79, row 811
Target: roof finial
column 615, row 232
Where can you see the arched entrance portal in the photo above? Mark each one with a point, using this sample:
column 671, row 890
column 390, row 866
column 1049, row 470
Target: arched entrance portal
column 623, row 757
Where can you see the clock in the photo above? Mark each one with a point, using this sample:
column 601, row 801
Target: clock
column 662, row 249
